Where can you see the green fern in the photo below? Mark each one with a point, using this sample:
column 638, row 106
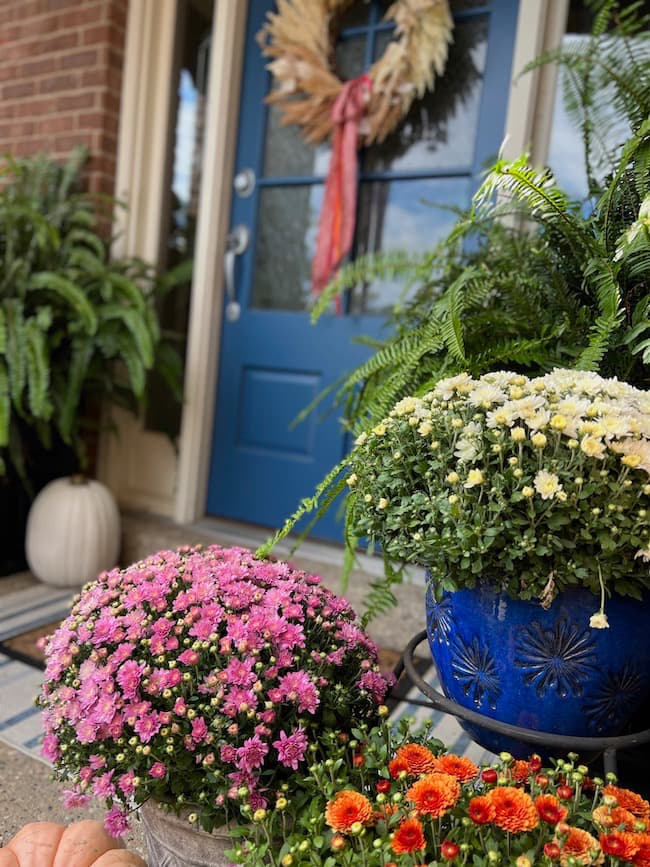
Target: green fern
column 76, row 327
column 553, row 285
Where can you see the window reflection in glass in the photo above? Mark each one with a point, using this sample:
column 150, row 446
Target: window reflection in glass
column 287, row 229
column 194, row 31
column 440, row 129
column 407, row 215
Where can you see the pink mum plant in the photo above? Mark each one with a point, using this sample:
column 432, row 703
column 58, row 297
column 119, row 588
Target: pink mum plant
column 200, row 677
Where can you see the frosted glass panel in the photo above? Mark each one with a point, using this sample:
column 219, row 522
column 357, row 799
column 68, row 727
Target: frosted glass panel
column 288, row 224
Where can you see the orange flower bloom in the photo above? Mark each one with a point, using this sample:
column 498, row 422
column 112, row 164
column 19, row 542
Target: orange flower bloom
column 614, row 817
column 581, row 846
column 481, row 810
column 520, row 771
column 434, row 794
column 408, row 838
column 418, row 759
column 346, row 808
column 642, row 857
column 619, row 844
column 628, row 800
column 514, row 810
column 396, row 766
column 458, row 766
column 550, row 809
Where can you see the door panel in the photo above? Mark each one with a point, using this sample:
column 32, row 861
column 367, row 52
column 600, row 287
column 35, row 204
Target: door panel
column 273, row 361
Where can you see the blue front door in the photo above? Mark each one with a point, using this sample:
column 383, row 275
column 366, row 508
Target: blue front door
column 273, row 361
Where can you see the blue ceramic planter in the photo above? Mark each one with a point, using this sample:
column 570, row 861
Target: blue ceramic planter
column 543, row 670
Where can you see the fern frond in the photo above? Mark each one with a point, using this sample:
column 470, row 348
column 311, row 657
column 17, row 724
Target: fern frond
column 5, row 405
column 38, row 372
column 69, row 292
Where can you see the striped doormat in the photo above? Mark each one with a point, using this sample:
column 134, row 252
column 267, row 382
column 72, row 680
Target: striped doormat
column 36, row 605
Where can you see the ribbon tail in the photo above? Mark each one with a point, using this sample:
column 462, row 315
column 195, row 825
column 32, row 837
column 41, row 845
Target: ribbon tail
column 326, row 257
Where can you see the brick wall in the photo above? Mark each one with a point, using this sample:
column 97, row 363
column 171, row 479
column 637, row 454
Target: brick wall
column 60, row 80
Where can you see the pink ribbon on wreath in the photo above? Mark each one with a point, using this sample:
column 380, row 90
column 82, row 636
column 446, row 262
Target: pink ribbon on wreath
column 339, row 212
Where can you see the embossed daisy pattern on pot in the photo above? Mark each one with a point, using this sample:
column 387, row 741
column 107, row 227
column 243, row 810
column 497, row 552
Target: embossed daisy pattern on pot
column 560, row 658
column 611, row 704
column 474, row 667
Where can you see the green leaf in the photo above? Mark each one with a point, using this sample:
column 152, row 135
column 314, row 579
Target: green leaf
column 69, row 292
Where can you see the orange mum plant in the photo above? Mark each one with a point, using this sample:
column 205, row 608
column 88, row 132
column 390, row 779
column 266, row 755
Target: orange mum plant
column 389, row 797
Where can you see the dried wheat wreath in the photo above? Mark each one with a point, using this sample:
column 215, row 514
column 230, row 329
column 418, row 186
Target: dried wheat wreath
column 298, row 39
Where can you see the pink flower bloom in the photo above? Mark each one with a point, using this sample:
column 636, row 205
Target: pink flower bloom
column 126, row 783
column 199, row 730
column 50, row 748
column 129, row 677
column 73, row 799
column 157, row 770
column 375, row 683
column 103, row 786
column 147, row 726
column 86, row 731
column 116, row 822
column 251, row 755
column 298, row 687
column 291, row 748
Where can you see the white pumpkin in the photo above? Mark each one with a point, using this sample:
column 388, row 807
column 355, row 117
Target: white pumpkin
column 73, row 531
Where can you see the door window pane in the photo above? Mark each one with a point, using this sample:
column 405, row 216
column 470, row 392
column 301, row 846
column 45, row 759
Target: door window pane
column 287, row 227
column 408, row 215
column 440, row 129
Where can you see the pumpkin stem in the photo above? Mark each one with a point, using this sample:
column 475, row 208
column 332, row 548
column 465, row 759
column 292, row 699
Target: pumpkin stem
column 78, row 479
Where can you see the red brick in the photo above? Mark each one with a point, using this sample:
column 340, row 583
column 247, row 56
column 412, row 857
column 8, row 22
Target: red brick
column 65, row 143
column 59, row 42
column 89, row 13
column 58, row 83
column 93, row 78
column 34, row 68
column 38, row 26
column 33, row 108
column 56, row 124
column 85, row 99
column 80, row 59
column 18, row 91
column 100, row 33
column 90, row 120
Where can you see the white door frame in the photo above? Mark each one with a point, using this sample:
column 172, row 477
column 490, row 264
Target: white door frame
column 142, row 468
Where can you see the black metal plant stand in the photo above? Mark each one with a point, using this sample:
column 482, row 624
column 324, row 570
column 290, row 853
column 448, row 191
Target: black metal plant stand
column 546, row 740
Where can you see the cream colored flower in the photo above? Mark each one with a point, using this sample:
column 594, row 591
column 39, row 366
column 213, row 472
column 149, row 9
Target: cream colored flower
column 461, row 384
column 425, row 428
column 518, row 434
column 379, row 430
column 484, row 395
column 360, row 440
column 405, row 406
column 452, row 478
column 352, row 479
column 383, row 502
column 547, row 484
column 599, row 620
column 538, row 440
column 466, row 450
column 527, row 492
column 474, row 477
column 592, row 447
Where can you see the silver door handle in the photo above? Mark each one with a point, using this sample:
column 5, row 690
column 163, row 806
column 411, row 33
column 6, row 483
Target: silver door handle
column 236, row 244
